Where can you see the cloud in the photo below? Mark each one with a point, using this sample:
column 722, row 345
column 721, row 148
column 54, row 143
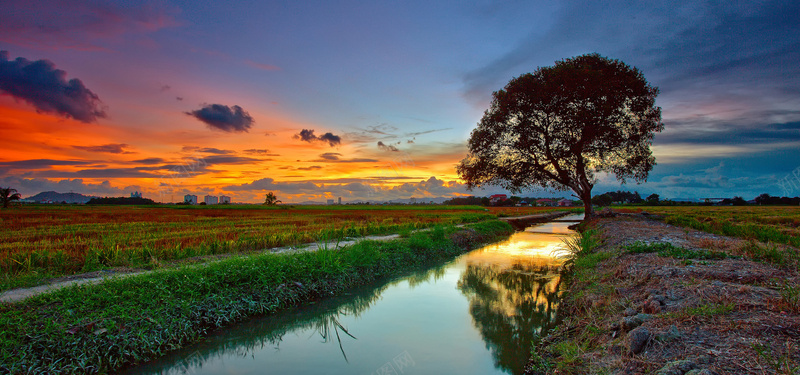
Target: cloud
column 333, row 140
column 31, row 186
column 41, row 85
column 307, row 135
column 138, row 172
column 150, row 161
column 111, row 148
column 42, row 163
column 259, row 151
column 332, row 156
column 222, row 117
column 212, row 160
column 693, row 51
column 335, row 157
column 79, row 25
column 355, row 189
column 209, row 150
column 729, row 132
column 311, row 168
column 386, row 147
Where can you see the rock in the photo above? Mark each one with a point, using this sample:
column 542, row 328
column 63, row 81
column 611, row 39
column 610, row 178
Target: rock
column 658, row 297
column 670, row 334
column 651, row 306
column 630, row 311
column 637, row 339
column 701, row 372
column 631, row 322
column 680, row 367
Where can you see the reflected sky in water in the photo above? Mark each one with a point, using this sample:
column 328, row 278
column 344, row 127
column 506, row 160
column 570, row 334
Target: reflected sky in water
column 474, row 315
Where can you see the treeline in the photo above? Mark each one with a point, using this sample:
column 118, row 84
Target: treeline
column 627, row 197
column 468, row 201
column 766, row 199
column 121, row 201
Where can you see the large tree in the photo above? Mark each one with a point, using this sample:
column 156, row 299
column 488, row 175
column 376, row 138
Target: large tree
column 560, row 126
column 8, row 195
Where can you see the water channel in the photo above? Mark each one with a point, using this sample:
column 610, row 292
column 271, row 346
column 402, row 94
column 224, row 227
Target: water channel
column 474, row 315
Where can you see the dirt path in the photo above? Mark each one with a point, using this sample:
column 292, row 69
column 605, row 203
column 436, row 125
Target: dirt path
column 16, row 295
column 697, row 307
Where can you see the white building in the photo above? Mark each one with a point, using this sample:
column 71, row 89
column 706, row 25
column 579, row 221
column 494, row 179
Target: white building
column 211, row 199
column 330, row 202
column 224, row 199
column 190, row 199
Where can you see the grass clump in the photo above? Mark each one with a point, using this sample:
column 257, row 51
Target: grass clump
column 666, row 249
column 101, row 328
column 770, row 253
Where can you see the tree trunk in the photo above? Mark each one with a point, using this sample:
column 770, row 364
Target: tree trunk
column 586, row 197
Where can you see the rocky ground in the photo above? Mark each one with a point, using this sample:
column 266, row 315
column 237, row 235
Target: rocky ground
column 700, row 307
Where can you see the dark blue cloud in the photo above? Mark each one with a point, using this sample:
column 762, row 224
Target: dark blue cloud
column 335, row 157
column 41, row 163
column 150, row 161
column 40, row 84
column 307, row 135
column 222, row 117
column 111, row 148
column 713, row 132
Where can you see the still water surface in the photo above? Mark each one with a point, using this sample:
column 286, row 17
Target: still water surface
column 474, row 315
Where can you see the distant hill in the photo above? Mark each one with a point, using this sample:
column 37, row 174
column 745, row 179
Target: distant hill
column 54, row 197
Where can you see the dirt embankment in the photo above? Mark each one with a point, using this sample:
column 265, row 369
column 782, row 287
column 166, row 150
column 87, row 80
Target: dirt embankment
column 659, row 299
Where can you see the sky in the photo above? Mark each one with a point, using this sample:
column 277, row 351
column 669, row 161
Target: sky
column 373, row 100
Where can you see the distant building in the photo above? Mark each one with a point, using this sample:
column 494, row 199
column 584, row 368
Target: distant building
column 136, row 194
column 545, row 202
column 565, row 203
column 340, row 200
column 190, row 199
column 331, row 202
column 210, row 199
column 498, row 198
column 224, row 199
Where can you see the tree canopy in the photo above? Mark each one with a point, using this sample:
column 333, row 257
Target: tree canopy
column 560, row 126
column 8, row 195
column 271, row 199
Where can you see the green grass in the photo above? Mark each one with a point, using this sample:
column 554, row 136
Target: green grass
column 778, row 224
column 770, row 253
column 666, row 249
column 100, row 328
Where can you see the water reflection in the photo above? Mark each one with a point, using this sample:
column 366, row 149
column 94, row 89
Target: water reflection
column 510, row 304
column 474, row 315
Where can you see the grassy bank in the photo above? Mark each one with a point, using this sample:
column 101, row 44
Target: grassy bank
column 100, row 328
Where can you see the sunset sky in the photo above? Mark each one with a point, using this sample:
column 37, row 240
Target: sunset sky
column 372, row 100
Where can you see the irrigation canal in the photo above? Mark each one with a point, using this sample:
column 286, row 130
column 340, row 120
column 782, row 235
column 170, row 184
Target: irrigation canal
column 474, row 315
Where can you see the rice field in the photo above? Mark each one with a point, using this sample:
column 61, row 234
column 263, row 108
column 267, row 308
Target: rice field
column 41, row 241
column 768, row 224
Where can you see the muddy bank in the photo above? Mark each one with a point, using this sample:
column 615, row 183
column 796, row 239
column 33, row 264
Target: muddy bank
column 658, row 299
